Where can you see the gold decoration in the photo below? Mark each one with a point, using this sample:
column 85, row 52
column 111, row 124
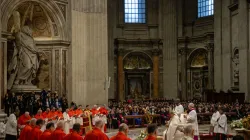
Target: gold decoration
column 136, row 62
column 199, row 60
column 246, row 122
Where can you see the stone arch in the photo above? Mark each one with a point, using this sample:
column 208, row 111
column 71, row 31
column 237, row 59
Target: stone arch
column 198, row 56
column 144, row 59
column 53, row 11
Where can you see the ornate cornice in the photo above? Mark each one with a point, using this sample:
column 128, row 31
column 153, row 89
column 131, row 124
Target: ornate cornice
column 201, row 38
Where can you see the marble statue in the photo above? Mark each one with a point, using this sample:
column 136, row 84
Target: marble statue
column 24, row 63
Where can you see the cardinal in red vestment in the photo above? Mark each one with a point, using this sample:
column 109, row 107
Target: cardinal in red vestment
column 52, row 115
column 122, row 134
column 104, row 112
column 59, row 114
column 95, row 114
column 36, row 131
column 74, row 135
column 58, row 134
column 23, row 119
column 47, row 133
column 46, row 113
column 96, row 133
column 25, row 133
column 152, row 132
column 39, row 115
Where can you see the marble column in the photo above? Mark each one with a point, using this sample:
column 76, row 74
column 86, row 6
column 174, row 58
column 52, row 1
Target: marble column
column 169, row 33
column 2, row 114
column 120, row 75
column 183, row 52
column 210, row 57
column 156, row 74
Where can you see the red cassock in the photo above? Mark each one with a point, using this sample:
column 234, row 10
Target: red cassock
column 60, row 115
column 79, row 112
column 94, row 111
column 103, row 111
column 23, row 119
column 120, row 136
column 150, row 138
column 24, row 135
column 71, row 113
column 45, row 114
column 96, row 134
column 35, row 133
column 52, row 115
column 73, row 136
column 58, row 134
column 39, row 116
column 46, row 135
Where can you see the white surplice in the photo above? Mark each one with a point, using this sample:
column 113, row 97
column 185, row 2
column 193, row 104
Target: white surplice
column 79, row 119
column 221, row 124
column 214, row 119
column 192, row 120
column 68, row 122
column 173, row 132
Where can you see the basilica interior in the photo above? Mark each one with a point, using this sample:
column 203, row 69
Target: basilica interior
column 96, row 50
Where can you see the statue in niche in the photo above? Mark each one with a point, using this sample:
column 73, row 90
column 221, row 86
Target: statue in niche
column 236, row 67
column 24, row 64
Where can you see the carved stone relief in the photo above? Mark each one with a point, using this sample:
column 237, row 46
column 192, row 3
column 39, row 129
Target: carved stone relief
column 43, row 74
column 235, row 60
column 40, row 20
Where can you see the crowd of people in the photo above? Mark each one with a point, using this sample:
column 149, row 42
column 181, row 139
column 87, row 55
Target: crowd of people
column 46, row 111
column 18, row 103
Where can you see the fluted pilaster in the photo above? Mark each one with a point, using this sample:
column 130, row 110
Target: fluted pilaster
column 156, row 73
column 120, row 75
column 169, row 33
column 89, row 51
column 210, row 51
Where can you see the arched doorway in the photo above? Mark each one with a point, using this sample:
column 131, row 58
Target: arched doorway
column 48, row 26
column 197, row 73
column 138, row 75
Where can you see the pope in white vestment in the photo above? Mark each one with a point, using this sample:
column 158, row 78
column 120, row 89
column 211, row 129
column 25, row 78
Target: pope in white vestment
column 175, row 129
column 67, row 120
column 192, row 120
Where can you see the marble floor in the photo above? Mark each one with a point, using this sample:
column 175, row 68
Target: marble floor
column 134, row 132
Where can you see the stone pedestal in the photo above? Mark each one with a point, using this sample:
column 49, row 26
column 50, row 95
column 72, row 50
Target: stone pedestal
column 25, row 88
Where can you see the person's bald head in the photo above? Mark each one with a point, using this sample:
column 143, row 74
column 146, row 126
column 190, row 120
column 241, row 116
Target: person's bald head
column 26, row 114
column 189, row 130
column 123, row 128
column 33, row 122
column 60, row 124
column 99, row 124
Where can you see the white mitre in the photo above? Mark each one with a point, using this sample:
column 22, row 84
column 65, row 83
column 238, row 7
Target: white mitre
column 179, row 109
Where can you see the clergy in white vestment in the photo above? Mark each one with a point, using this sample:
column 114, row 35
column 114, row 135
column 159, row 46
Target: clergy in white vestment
column 213, row 121
column 192, row 120
column 67, row 120
column 175, row 129
column 221, row 126
column 189, row 133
